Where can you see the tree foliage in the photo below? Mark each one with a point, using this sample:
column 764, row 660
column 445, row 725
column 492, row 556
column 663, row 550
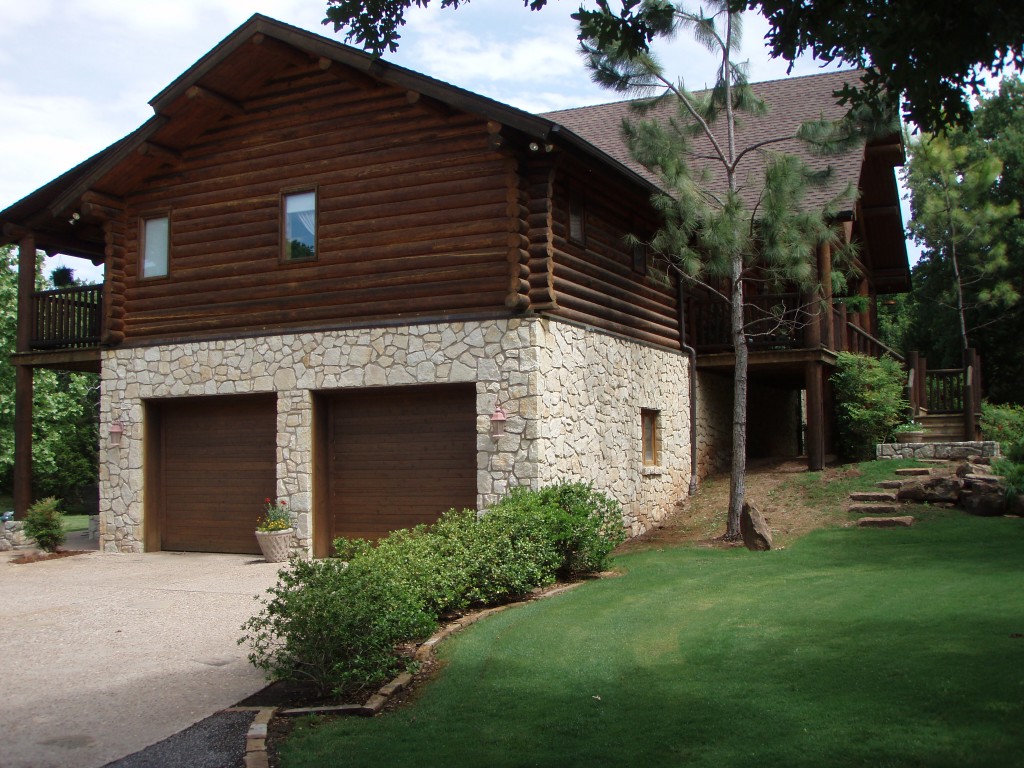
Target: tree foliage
column 65, row 409
column 869, row 402
column 967, row 191
column 714, row 233
column 929, row 53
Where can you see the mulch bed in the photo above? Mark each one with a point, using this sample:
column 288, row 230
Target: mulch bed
column 38, row 557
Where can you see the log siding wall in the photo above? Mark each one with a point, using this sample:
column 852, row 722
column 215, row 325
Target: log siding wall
column 413, row 216
column 595, row 282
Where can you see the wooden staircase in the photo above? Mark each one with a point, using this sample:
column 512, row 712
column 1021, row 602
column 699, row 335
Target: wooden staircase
column 946, row 402
column 942, row 427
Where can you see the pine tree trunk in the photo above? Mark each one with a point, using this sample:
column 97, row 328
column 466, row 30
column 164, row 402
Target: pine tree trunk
column 738, row 477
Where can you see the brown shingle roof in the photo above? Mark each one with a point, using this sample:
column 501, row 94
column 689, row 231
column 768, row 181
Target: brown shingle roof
column 791, row 102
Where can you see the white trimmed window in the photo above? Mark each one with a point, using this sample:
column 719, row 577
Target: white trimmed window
column 156, row 244
column 298, row 241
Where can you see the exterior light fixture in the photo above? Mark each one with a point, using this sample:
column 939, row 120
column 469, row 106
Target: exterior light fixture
column 498, row 419
column 534, row 146
column 116, row 433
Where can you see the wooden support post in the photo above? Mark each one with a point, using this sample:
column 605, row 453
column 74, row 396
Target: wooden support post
column 812, row 332
column 23, row 379
column 815, row 416
column 913, row 402
column 922, row 384
column 970, row 384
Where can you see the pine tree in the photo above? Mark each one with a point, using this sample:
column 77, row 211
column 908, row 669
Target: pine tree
column 721, row 235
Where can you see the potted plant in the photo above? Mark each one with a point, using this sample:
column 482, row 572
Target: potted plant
column 911, row 432
column 274, row 531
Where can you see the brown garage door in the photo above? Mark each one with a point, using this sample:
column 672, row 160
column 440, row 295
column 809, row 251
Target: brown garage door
column 216, row 465
column 400, row 456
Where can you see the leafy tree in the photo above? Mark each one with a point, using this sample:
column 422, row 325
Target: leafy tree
column 718, row 235
column 65, row 409
column 989, row 236
column 927, row 52
column 955, row 217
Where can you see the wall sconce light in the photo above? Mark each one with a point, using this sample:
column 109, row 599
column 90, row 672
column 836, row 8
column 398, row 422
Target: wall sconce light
column 116, row 433
column 498, row 419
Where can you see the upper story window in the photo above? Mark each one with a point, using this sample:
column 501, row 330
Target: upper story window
column 298, row 241
column 577, row 217
column 651, row 438
column 156, row 244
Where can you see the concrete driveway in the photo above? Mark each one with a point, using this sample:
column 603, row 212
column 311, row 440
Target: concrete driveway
column 102, row 655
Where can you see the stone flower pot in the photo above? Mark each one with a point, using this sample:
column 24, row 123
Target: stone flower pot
column 276, row 546
column 910, row 437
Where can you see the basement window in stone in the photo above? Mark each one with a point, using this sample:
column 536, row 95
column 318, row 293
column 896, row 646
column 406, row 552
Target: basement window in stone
column 651, row 436
column 298, row 242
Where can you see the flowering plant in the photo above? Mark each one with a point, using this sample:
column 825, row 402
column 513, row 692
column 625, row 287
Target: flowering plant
column 275, row 517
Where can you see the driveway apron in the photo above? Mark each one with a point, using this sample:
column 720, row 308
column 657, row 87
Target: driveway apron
column 102, row 655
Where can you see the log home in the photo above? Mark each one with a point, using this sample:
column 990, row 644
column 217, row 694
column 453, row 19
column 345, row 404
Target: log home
column 334, row 281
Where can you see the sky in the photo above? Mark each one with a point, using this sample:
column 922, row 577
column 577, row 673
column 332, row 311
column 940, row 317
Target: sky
column 77, row 75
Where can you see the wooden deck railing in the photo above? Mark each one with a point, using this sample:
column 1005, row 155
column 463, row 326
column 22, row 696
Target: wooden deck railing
column 773, row 321
column 946, row 390
column 67, row 318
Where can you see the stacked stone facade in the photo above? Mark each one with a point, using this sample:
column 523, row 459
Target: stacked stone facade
column 573, row 397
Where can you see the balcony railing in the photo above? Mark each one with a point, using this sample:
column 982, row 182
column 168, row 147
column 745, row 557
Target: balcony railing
column 773, row 321
column 67, row 318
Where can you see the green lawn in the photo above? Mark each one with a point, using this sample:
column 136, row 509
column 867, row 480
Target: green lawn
column 76, row 523
column 852, row 647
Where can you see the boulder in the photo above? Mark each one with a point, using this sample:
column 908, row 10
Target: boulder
column 939, row 489
column 757, row 536
column 984, row 495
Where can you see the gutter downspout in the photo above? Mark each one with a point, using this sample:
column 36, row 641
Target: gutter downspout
column 692, row 354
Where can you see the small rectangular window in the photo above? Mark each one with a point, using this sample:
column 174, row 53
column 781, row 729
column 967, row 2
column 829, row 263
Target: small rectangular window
column 640, row 258
column 649, row 420
column 577, row 218
column 299, row 236
column 156, row 241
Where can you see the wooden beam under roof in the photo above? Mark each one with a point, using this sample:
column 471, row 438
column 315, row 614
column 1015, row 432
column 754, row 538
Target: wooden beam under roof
column 159, row 152
column 202, row 95
column 348, row 74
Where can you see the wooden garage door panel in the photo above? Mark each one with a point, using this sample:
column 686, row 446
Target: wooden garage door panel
column 219, row 462
column 399, row 457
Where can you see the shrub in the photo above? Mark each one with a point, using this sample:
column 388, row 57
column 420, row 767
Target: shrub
column 869, row 402
column 335, row 624
column 585, row 525
column 44, row 523
column 1002, row 423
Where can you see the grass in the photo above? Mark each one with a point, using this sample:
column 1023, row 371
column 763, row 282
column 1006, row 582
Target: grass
column 852, row 647
column 76, row 523
column 830, row 492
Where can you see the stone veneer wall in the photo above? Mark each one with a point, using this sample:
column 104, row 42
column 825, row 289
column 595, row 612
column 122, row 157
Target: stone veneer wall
column 714, row 423
column 593, row 386
column 980, row 449
column 525, row 364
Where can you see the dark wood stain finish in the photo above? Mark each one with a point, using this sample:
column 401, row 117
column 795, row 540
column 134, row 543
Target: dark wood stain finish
column 399, row 456
column 217, row 463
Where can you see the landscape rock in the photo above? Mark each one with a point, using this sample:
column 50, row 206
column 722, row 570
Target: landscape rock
column 903, row 521
column 757, row 536
column 867, row 496
column 933, row 489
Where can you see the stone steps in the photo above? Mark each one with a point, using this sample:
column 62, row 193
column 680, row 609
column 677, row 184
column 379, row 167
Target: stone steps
column 873, row 496
column 891, row 484
column 913, row 472
column 877, row 509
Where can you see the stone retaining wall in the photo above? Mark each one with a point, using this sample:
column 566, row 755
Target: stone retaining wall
column 572, row 395
column 961, row 450
column 12, row 535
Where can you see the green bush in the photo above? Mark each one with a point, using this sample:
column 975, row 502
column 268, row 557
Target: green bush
column 585, row 525
column 44, row 524
column 336, row 622
column 869, row 402
column 336, row 625
column 1002, row 423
